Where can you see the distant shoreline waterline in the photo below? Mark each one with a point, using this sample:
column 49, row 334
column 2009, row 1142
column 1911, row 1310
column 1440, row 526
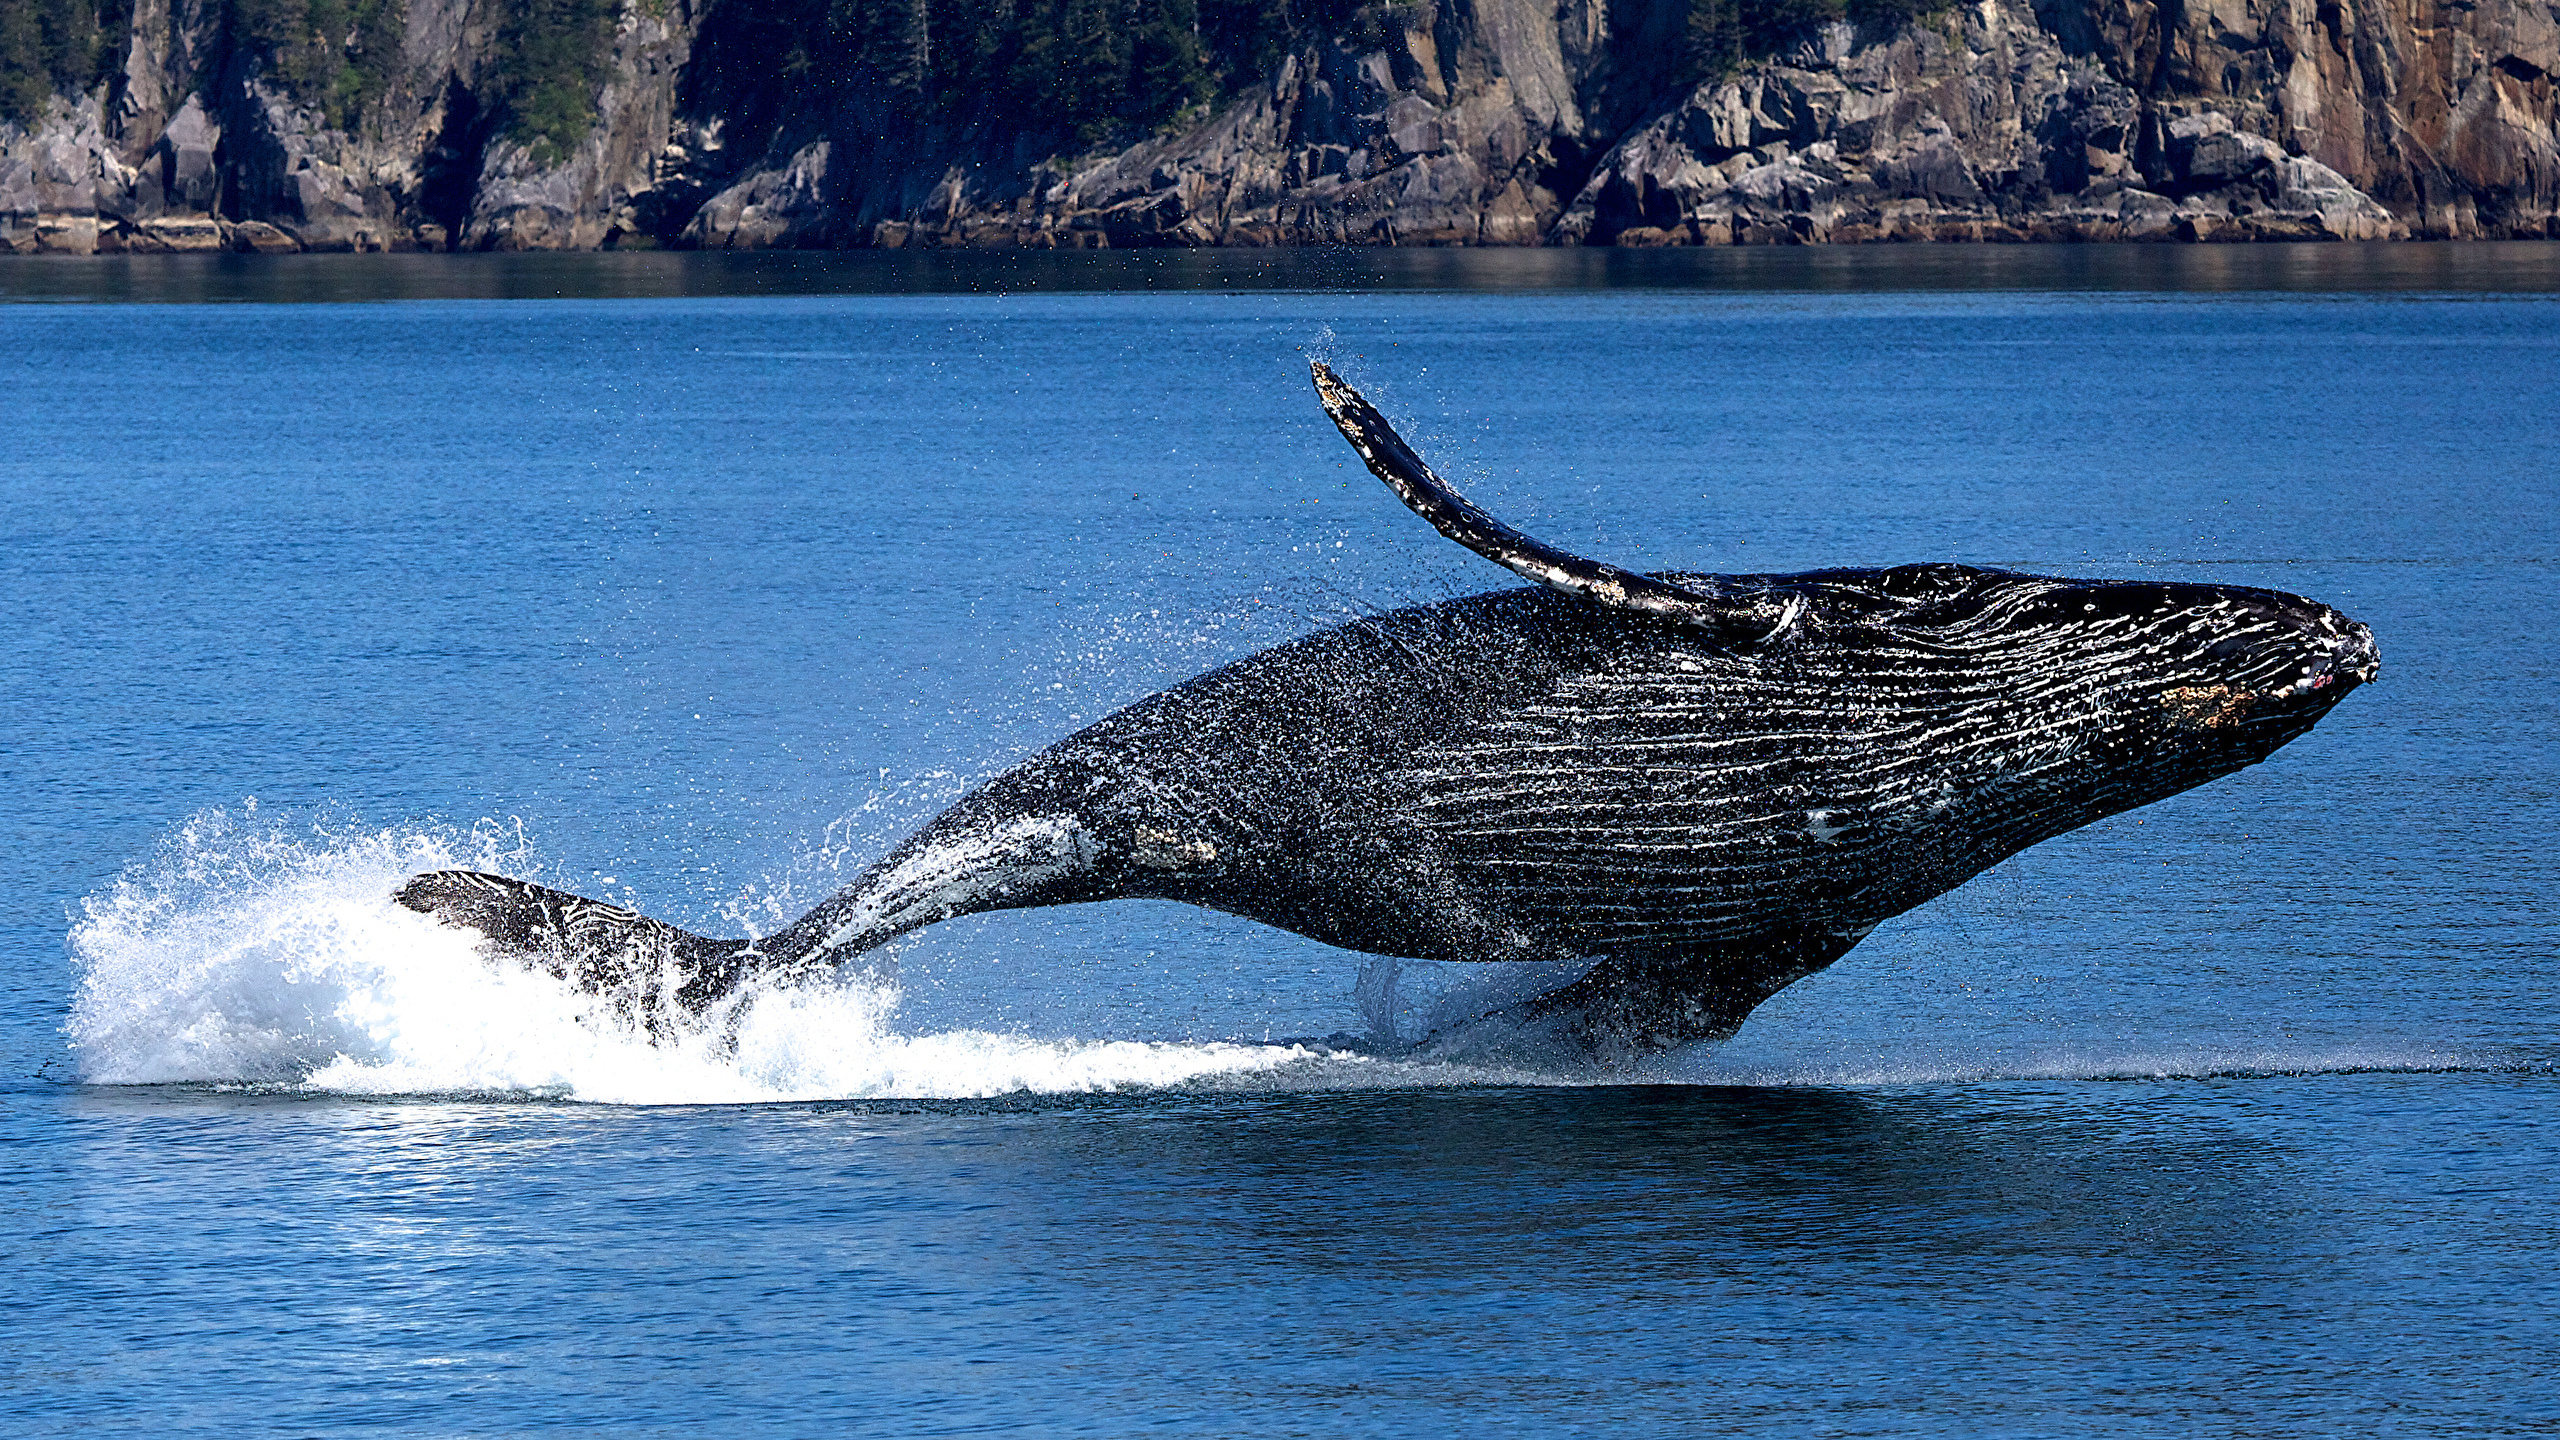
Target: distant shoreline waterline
column 2465, row 267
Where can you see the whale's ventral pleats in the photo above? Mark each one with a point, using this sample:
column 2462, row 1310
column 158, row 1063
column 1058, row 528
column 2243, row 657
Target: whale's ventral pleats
column 1702, row 787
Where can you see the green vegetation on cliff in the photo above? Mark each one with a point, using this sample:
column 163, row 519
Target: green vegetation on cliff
column 336, row 55
column 548, row 70
column 56, row 46
column 1093, row 71
column 1096, row 69
column 1724, row 34
column 546, row 67
column 1107, row 71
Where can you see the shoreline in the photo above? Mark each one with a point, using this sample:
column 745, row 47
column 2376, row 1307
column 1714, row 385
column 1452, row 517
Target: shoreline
column 2382, row 266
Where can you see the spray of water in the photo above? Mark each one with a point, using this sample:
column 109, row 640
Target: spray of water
column 248, row 952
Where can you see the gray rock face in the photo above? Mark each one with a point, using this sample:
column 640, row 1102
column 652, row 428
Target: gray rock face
column 1907, row 140
column 1502, row 123
column 770, row 208
column 2443, row 110
column 323, row 189
column 57, row 181
column 190, row 142
column 597, row 195
column 186, row 153
column 178, row 235
column 1449, row 135
column 1471, row 122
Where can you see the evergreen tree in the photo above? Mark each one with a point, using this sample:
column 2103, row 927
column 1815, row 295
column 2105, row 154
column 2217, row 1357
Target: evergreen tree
column 1096, row 71
column 50, row 47
column 549, row 68
column 338, row 55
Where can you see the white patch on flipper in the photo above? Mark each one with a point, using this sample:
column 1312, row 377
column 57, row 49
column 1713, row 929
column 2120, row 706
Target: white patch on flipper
column 948, row 879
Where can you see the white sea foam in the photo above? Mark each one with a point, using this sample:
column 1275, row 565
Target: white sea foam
column 247, row 952
column 244, row 953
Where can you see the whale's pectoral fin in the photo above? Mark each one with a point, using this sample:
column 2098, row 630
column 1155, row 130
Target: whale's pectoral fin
column 1740, row 618
column 651, row 972
column 1643, row 1003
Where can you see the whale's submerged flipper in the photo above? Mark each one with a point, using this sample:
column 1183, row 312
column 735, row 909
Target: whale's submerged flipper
column 656, row 974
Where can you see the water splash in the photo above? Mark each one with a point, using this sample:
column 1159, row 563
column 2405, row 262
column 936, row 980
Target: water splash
column 248, row 953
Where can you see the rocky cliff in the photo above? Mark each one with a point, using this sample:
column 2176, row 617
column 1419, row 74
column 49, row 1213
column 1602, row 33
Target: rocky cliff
column 1504, row 122
column 197, row 142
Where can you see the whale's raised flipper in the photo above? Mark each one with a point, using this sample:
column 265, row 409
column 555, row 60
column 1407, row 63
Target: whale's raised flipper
column 1737, row 617
column 653, row 972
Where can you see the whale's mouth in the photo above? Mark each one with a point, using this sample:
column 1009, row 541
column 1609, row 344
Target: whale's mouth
column 2348, row 658
column 2280, row 680
column 2286, row 648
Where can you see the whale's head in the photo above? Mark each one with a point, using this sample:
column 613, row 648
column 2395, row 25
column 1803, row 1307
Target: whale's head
column 2159, row 685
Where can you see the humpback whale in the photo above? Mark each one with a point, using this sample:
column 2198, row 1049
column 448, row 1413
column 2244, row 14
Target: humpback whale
column 1704, row 787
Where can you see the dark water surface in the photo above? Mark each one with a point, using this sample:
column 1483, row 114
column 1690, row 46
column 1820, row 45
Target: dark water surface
column 2501, row 267
column 2239, row 1115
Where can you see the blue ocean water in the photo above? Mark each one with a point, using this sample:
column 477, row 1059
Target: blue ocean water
column 701, row 585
